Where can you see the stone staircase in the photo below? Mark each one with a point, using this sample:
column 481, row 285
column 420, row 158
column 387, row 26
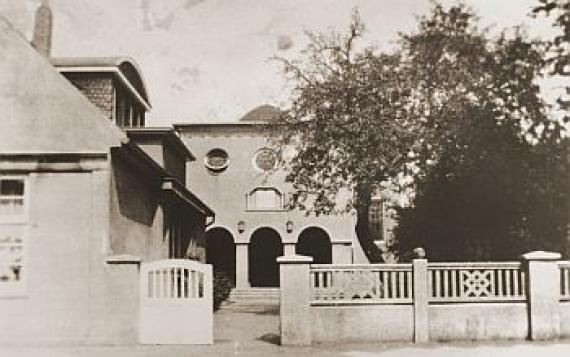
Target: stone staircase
column 255, row 296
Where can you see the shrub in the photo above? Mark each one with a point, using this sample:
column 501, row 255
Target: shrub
column 223, row 285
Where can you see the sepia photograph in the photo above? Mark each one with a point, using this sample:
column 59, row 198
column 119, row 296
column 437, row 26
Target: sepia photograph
column 350, row 178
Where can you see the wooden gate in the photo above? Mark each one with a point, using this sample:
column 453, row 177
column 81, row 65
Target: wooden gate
column 176, row 303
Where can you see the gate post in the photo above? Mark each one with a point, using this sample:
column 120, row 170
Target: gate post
column 295, row 305
column 421, row 300
column 543, row 294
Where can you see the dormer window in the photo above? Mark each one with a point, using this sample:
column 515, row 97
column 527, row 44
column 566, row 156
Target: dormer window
column 265, row 198
column 128, row 114
column 114, row 84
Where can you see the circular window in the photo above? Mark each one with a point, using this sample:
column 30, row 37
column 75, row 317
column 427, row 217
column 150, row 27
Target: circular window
column 217, row 160
column 265, row 159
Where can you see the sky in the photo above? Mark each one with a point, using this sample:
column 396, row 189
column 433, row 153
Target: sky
column 209, row 60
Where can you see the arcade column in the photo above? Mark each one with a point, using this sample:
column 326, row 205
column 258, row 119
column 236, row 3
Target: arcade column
column 289, row 248
column 242, row 269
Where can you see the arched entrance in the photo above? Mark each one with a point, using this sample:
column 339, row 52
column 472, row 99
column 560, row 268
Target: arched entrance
column 221, row 251
column 315, row 242
column 264, row 248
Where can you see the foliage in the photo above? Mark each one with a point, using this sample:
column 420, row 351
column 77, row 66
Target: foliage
column 347, row 119
column 556, row 190
column 559, row 45
column 505, row 198
column 492, row 183
column 223, row 285
column 348, row 123
column 455, row 108
column 456, row 72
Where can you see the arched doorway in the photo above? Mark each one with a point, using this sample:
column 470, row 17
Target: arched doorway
column 264, row 248
column 221, row 251
column 315, row 242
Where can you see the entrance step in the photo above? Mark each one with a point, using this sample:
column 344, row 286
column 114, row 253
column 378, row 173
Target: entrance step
column 255, row 296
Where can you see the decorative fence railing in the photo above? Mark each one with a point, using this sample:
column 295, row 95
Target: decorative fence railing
column 447, row 282
column 424, row 300
column 564, row 280
column 361, row 284
column 470, row 282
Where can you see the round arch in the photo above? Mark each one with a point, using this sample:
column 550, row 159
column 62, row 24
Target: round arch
column 315, row 242
column 221, row 251
column 265, row 247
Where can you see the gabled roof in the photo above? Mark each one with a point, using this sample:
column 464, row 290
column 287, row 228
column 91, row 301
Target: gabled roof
column 40, row 111
column 128, row 69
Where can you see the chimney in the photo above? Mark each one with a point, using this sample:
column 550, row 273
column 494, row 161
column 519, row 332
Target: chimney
column 43, row 26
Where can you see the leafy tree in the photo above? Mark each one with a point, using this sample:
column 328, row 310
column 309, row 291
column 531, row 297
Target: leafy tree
column 456, row 108
column 492, row 166
column 348, row 123
column 557, row 168
column 559, row 45
column 498, row 199
column 455, row 71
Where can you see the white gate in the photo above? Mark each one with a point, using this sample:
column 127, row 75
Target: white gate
column 176, row 303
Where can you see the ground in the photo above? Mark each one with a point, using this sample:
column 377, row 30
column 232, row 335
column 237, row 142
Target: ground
column 254, row 331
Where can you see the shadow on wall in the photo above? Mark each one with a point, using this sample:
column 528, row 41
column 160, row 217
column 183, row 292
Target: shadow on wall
column 136, row 194
column 134, row 207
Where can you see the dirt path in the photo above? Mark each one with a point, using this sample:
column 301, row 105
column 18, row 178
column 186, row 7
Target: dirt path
column 244, row 326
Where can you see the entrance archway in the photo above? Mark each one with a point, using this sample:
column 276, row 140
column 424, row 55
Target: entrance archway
column 315, row 242
column 264, row 248
column 221, row 251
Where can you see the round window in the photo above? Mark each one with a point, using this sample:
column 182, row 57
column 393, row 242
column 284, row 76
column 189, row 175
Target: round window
column 217, row 160
column 265, row 159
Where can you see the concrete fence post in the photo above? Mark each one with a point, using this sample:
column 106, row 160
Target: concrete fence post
column 421, row 296
column 295, row 308
column 543, row 294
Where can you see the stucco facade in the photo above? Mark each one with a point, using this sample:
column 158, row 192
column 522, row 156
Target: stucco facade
column 229, row 192
column 82, row 204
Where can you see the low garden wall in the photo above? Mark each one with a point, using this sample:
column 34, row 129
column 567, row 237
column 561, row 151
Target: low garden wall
column 362, row 323
column 565, row 319
column 473, row 321
column 424, row 301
